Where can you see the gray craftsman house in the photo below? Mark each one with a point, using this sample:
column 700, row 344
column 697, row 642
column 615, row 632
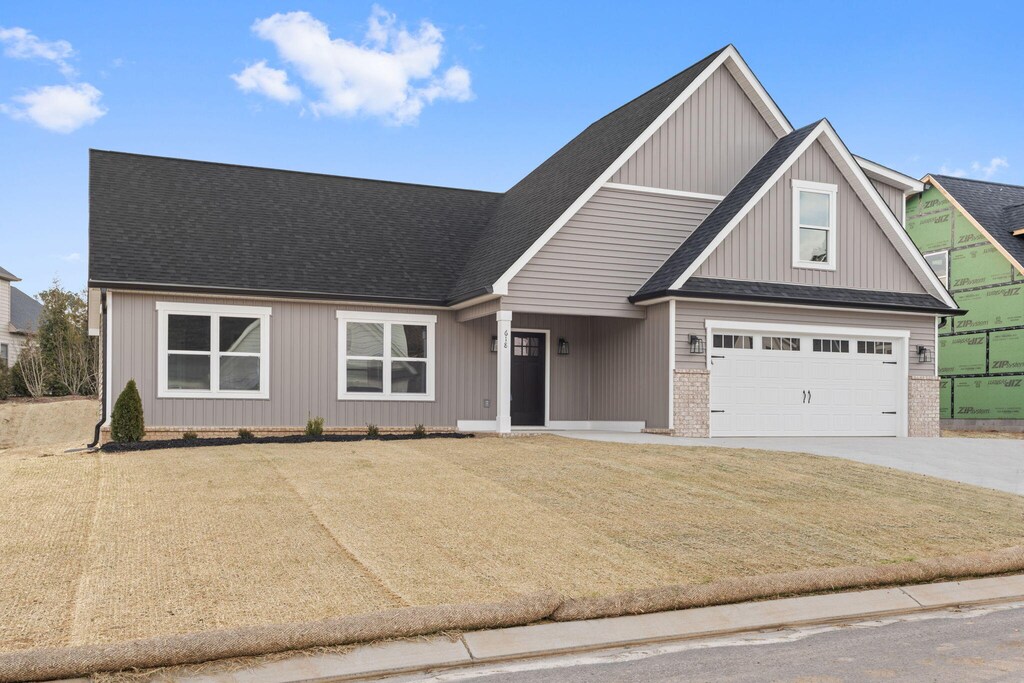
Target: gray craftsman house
column 19, row 318
column 691, row 264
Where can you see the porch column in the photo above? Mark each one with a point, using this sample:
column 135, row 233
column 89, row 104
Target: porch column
column 504, row 403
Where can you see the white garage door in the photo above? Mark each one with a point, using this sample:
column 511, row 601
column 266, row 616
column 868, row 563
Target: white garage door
column 779, row 384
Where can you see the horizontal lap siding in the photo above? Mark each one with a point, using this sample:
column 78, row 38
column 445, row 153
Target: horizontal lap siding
column 760, row 248
column 605, row 253
column 691, row 317
column 304, row 367
column 706, row 146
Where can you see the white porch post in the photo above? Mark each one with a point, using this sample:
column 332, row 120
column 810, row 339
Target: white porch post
column 504, row 372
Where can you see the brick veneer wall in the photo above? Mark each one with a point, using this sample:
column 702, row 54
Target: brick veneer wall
column 692, row 403
column 923, row 406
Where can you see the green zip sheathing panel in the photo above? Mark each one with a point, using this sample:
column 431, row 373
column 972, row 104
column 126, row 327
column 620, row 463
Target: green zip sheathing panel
column 981, row 354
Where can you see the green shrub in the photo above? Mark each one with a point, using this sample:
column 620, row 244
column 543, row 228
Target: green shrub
column 127, row 423
column 6, row 381
column 372, row 431
column 245, row 434
column 189, row 436
column 420, row 430
column 315, row 426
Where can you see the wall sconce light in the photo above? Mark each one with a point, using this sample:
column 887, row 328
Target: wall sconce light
column 924, row 354
column 494, row 344
column 696, row 344
column 563, row 347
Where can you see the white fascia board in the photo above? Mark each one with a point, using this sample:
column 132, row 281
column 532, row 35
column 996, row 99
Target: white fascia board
column 684, row 194
column 738, row 68
column 897, row 233
column 888, row 176
column 751, row 203
column 777, row 121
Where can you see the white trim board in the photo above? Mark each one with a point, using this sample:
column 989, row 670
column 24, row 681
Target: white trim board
column 884, row 174
column 737, row 302
column 684, row 194
column 556, row 425
column 890, row 224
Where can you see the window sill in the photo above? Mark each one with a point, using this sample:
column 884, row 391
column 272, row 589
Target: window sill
column 423, row 398
column 230, row 395
column 813, row 265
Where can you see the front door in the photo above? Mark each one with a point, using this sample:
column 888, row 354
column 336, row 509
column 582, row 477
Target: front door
column 528, row 379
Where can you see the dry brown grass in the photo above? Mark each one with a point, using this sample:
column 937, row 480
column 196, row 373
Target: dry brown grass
column 58, row 423
column 970, row 434
column 100, row 548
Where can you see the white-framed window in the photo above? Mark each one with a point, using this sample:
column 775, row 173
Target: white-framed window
column 939, row 262
column 780, row 343
column 883, row 348
column 831, row 345
column 5, row 355
column 385, row 356
column 814, row 225
column 213, row 351
column 733, row 341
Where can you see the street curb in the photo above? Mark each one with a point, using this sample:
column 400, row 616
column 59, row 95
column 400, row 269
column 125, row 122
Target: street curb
column 559, row 638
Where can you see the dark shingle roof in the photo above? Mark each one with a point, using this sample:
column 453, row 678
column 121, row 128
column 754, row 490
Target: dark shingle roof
column 200, row 225
column 536, row 202
column 24, row 311
column 8, row 275
column 710, row 227
column 807, row 295
column 998, row 207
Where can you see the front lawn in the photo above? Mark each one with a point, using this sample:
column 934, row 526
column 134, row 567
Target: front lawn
column 106, row 547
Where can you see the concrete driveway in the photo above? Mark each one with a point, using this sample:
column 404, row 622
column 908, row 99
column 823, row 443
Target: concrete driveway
column 993, row 463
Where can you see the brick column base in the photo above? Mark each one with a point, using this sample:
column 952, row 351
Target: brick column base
column 692, row 404
column 923, row 406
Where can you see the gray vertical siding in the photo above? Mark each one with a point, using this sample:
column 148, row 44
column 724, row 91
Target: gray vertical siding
column 691, row 316
column 893, row 197
column 705, row 146
column 605, row 253
column 570, row 375
column 630, row 377
column 760, row 248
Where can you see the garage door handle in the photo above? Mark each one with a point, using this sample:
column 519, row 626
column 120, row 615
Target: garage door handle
column 717, row 411
column 889, row 362
column 888, row 412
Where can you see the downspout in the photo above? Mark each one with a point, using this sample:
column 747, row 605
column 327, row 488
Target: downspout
column 103, row 377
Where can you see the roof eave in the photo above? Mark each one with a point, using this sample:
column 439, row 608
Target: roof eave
column 796, row 301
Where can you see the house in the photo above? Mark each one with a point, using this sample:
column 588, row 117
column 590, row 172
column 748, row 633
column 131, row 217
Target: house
column 688, row 264
column 19, row 318
column 972, row 234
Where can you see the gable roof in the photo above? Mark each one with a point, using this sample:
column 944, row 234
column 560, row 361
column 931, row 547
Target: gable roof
column 24, row 311
column 998, row 207
column 533, row 205
column 8, row 275
column 193, row 225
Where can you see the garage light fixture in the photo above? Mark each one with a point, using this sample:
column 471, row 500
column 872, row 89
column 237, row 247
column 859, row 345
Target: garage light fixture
column 696, row 344
column 563, row 347
column 925, row 354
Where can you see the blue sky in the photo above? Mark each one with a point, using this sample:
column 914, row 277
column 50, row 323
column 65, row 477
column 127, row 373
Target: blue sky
column 476, row 99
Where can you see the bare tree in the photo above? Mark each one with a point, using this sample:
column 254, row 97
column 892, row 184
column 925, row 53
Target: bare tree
column 33, row 368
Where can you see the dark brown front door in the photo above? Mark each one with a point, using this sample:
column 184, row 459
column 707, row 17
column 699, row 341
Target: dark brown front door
column 528, row 379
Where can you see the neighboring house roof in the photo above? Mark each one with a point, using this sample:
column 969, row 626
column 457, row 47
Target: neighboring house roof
column 809, row 295
column 998, row 207
column 24, row 311
column 538, row 200
column 728, row 209
column 8, row 275
column 189, row 224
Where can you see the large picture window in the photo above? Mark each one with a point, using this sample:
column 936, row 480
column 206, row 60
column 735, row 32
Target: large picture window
column 212, row 351
column 814, row 225
column 385, row 356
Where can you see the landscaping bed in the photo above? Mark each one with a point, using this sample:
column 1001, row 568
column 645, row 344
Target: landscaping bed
column 199, row 442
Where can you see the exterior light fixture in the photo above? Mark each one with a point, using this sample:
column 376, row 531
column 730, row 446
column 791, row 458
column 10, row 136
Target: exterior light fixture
column 696, row 344
column 563, row 347
column 494, row 344
column 924, row 354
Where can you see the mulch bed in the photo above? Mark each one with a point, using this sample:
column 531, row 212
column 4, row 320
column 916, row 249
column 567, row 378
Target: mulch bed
column 158, row 444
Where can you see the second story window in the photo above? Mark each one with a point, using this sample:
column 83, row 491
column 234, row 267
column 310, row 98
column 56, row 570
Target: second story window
column 814, row 225
column 939, row 262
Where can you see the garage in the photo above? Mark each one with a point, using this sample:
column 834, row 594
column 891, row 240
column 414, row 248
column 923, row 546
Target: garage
column 804, row 381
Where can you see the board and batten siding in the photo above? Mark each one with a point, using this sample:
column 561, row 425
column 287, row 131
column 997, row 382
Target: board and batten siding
column 760, row 248
column 569, row 390
column 706, row 146
column 893, row 197
column 692, row 315
column 605, row 253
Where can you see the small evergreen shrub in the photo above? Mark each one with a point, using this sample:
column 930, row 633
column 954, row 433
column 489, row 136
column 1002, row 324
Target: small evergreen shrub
column 372, row 431
column 189, row 436
column 245, row 434
column 126, row 422
column 315, row 426
column 420, row 430
column 6, row 381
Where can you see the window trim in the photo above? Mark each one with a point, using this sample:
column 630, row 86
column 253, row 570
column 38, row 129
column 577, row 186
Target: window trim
column 215, row 312
column 387, row 319
column 820, row 188
column 944, row 278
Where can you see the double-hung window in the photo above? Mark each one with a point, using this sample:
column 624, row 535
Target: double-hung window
column 385, row 356
column 213, row 351
column 939, row 263
column 814, row 225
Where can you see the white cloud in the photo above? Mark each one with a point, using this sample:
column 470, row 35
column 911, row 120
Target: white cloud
column 272, row 83
column 59, row 108
column 946, row 169
column 73, row 257
column 991, row 168
column 20, row 43
column 392, row 74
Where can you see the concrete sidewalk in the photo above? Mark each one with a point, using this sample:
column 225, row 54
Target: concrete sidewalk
column 499, row 645
column 992, row 463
